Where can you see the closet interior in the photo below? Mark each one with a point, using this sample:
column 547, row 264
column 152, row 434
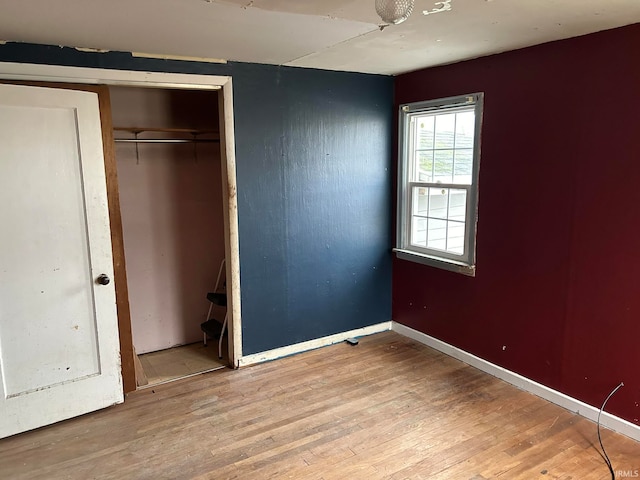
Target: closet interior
column 169, row 176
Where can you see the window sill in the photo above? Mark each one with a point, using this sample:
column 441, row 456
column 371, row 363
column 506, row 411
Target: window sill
column 442, row 263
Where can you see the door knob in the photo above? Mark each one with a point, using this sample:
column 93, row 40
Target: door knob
column 104, row 279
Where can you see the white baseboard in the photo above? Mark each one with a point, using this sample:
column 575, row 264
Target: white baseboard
column 311, row 344
column 612, row 422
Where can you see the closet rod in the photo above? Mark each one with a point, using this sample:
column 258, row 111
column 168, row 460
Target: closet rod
column 166, row 140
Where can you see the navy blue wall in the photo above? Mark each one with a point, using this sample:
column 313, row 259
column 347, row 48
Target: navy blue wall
column 313, row 151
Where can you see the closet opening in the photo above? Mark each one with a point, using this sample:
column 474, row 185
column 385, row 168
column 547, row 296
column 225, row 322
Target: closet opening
column 99, row 80
column 168, row 156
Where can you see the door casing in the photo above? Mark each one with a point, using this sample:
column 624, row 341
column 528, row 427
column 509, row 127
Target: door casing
column 95, row 76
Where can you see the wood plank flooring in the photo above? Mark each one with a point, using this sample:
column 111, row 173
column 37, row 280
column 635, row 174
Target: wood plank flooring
column 388, row 408
column 166, row 365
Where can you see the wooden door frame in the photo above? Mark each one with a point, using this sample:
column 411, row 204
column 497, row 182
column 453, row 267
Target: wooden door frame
column 97, row 76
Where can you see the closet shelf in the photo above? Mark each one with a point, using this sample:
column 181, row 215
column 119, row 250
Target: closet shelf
column 187, row 131
column 163, row 130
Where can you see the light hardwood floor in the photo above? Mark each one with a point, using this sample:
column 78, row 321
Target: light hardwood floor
column 166, row 365
column 388, row 408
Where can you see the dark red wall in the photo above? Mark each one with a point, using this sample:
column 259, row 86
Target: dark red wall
column 558, row 242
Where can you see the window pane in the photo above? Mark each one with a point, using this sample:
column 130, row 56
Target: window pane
column 419, row 231
column 420, row 201
column 455, row 237
column 465, row 126
column 445, row 126
column 457, row 205
column 443, row 170
column 438, row 202
column 437, row 234
column 463, row 166
column 424, row 132
column 424, row 166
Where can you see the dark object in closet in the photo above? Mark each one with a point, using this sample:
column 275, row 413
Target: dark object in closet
column 212, row 327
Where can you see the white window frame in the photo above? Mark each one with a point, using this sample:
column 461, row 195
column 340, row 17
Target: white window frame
column 465, row 263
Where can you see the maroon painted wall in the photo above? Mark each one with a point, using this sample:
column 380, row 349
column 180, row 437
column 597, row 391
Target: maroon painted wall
column 558, row 242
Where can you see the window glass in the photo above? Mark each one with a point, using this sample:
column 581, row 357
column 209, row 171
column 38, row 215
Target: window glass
column 438, row 177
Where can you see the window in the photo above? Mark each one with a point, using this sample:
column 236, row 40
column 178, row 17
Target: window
column 438, row 182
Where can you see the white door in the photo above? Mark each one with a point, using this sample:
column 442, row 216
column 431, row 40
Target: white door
column 59, row 349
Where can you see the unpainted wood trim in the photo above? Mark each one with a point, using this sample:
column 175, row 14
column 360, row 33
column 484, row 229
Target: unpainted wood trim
column 127, row 352
column 141, row 376
column 230, row 209
column 312, row 344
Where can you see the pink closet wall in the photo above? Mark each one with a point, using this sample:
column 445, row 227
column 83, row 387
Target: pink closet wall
column 172, row 214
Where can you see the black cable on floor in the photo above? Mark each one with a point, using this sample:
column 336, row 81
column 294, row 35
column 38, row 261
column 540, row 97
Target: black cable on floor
column 606, row 457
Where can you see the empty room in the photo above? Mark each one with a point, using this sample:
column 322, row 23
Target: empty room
column 381, row 239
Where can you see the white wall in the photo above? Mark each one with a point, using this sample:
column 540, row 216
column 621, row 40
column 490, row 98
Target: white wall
column 171, row 202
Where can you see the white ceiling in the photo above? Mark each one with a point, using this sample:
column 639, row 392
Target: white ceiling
column 326, row 34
